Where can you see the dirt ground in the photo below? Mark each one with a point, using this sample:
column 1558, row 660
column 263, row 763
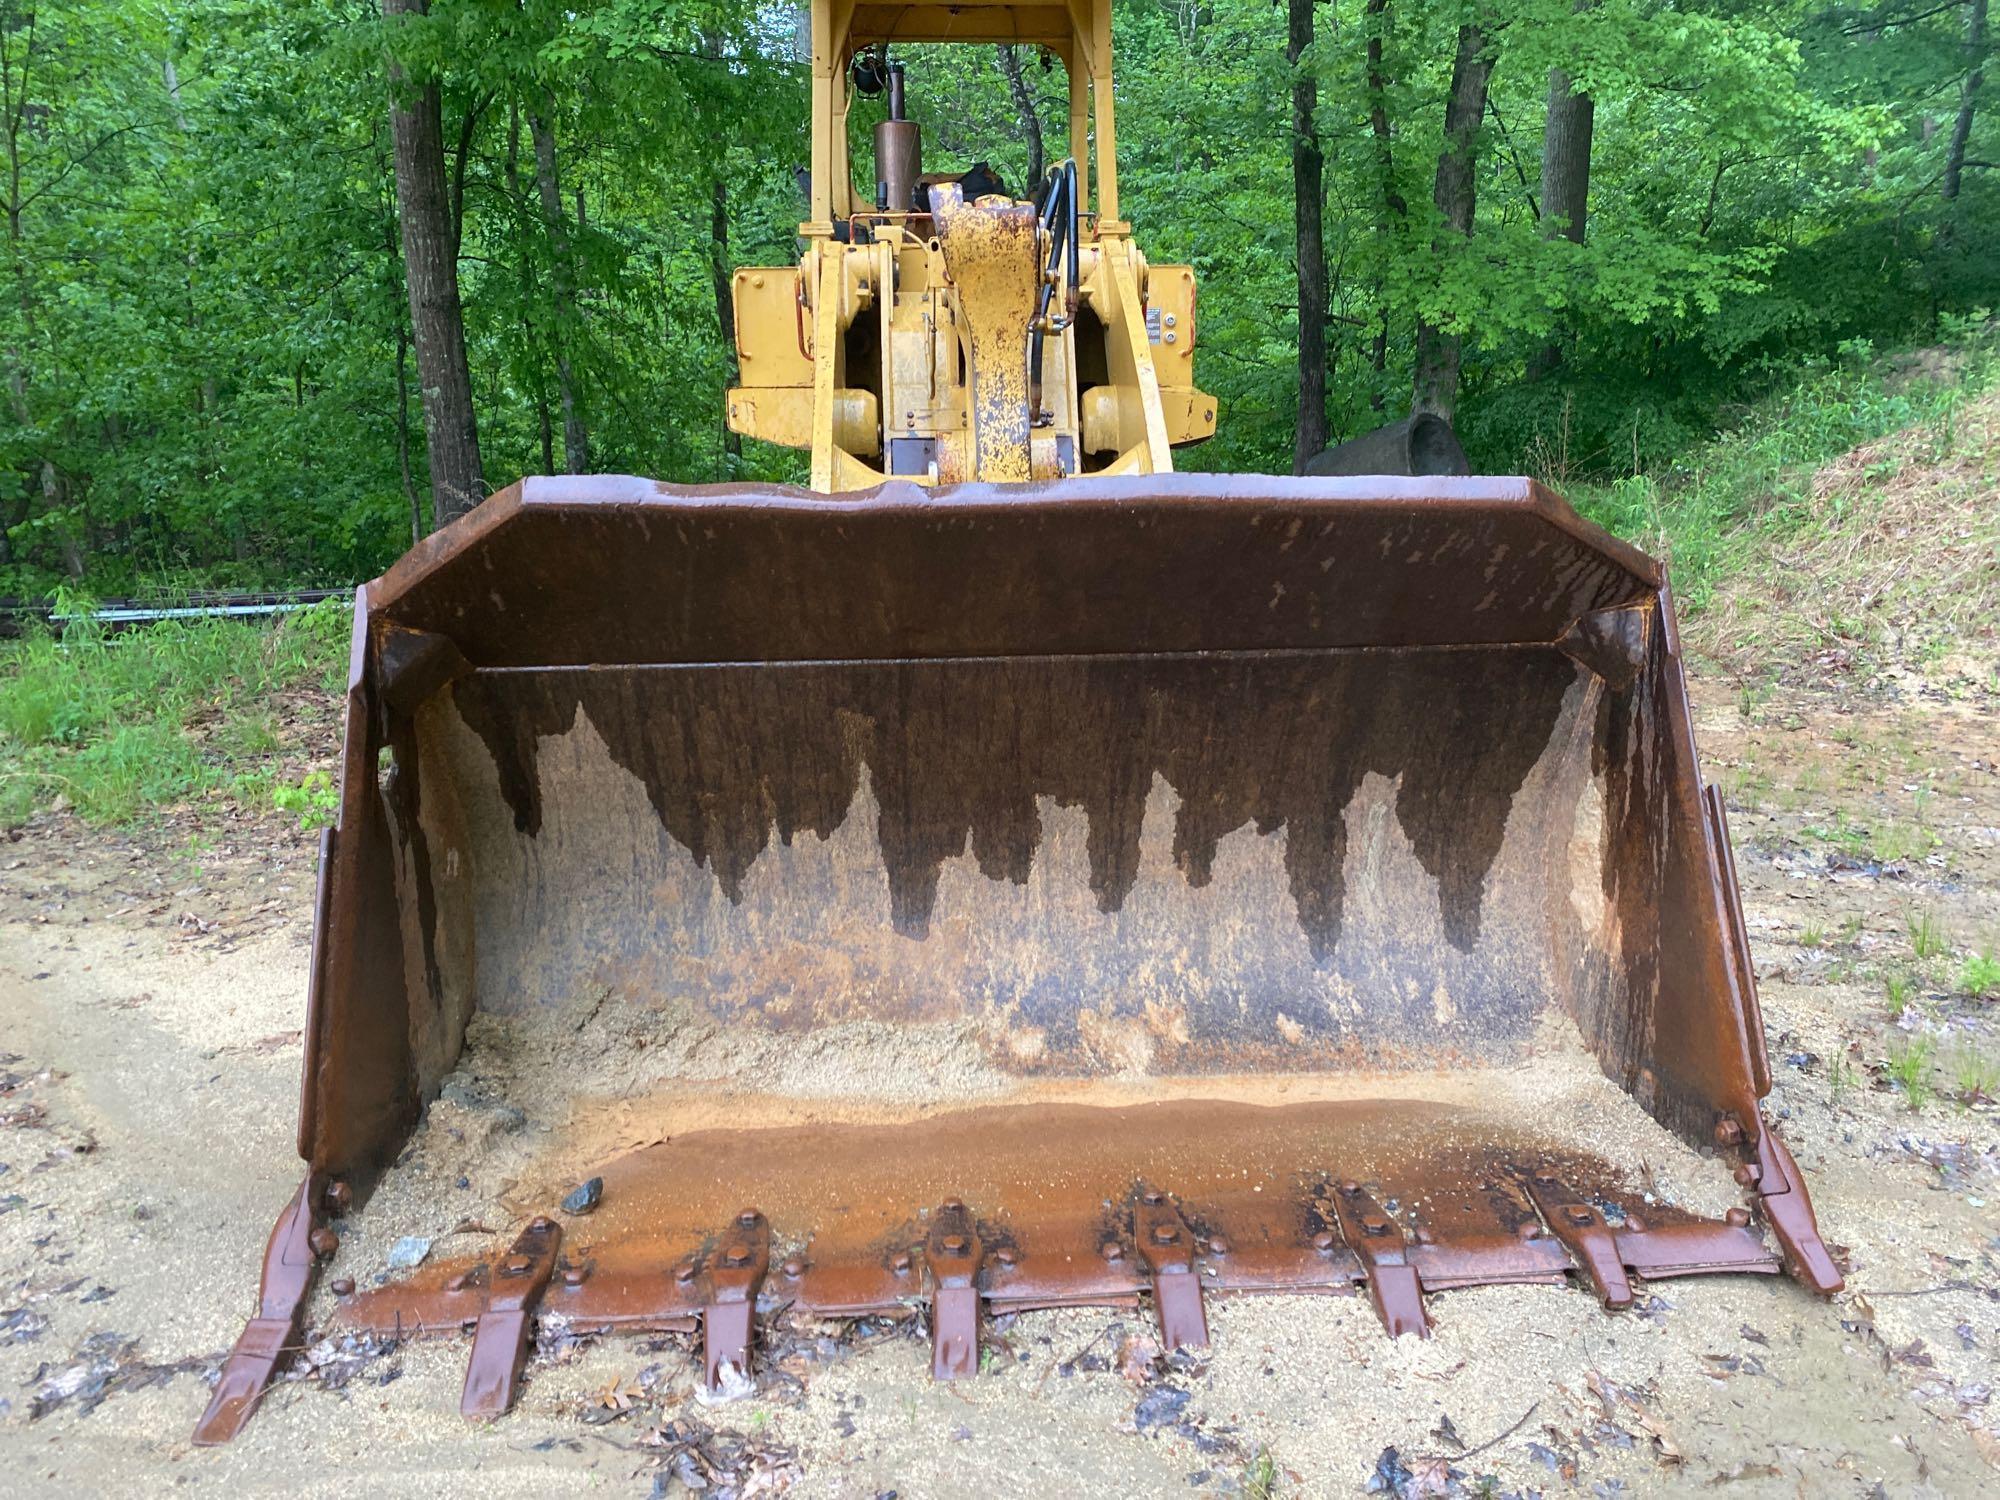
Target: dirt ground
column 151, row 991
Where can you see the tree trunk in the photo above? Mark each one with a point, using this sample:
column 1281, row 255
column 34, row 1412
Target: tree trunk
column 403, row 434
column 1024, row 107
column 18, row 71
column 1968, row 100
column 1438, row 352
column 725, row 305
column 1308, row 218
column 437, row 320
column 1394, row 209
column 466, row 125
column 1565, row 180
column 576, row 438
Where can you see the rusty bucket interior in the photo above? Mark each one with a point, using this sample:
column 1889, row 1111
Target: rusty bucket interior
column 1132, row 889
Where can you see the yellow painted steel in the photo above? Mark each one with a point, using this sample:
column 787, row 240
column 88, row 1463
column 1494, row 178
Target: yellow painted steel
column 898, row 345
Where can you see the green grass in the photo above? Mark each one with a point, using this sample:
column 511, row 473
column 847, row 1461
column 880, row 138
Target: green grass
column 1927, row 939
column 1981, row 976
column 1724, row 502
column 1260, row 1478
column 1910, row 1070
column 1894, row 841
column 1900, row 990
column 1839, row 1077
column 1975, row 1077
column 116, row 724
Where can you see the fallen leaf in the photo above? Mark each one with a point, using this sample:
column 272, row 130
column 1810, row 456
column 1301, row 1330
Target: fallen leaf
column 1746, row 1470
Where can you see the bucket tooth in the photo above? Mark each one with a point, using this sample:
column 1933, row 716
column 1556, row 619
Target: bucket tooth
column 500, row 1341
column 1378, row 1243
column 1781, row 1194
column 953, row 1253
column 1168, row 1244
column 1583, row 1231
column 736, row 1271
column 291, row 1265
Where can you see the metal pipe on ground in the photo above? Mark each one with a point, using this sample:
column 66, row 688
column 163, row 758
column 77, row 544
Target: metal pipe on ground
column 1422, row 444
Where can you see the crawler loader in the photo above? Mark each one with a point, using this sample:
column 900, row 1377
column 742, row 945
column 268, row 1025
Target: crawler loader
column 1011, row 872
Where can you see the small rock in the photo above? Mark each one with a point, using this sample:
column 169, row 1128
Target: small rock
column 1160, row 1407
column 408, row 1252
column 584, row 1197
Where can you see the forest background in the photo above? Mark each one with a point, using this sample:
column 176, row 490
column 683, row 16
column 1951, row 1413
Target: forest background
column 1594, row 232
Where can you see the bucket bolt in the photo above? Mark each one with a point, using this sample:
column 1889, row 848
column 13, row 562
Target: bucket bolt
column 339, row 1198
column 736, row 1256
column 1112, row 1251
column 794, row 1267
column 1728, row 1131
column 323, row 1241
column 1323, row 1241
column 901, row 1264
column 1165, row 1234
column 575, row 1275
column 684, row 1272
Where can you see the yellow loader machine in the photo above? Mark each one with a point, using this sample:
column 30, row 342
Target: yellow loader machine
column 1010, row 873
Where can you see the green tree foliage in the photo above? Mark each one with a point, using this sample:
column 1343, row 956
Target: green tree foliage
column 206, row 336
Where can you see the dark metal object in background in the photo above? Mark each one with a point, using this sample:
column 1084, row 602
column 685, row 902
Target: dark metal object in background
column 119, row 614
column 1423, row 444
column 1070, row 771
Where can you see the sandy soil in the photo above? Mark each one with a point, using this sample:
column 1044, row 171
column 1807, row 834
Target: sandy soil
column 150, row 996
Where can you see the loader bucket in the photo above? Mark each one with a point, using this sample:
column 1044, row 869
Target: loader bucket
column 1137, row 889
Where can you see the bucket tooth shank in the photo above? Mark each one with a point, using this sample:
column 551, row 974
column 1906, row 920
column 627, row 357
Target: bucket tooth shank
column 1378, row 1243
column 1583, row 1232
column 953, row 1253
column 1167, row 1244
column 290, row 1268
column 736, row 1273
column 500, row 1341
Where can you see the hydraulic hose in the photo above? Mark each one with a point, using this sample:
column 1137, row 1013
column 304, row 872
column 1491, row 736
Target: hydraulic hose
column 1060, row 216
